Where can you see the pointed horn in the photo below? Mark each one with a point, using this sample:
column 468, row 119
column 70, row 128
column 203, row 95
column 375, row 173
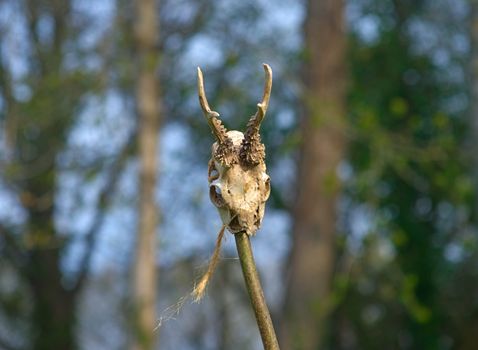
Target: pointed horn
column 212, row 117
column 252, row 150
column 256, row 120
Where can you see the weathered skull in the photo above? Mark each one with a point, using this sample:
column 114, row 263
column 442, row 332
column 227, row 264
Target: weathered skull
column 238, row 183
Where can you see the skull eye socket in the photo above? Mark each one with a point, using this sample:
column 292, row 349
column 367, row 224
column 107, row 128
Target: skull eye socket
column 213, row 174
column 215, row 196
column 268, row 187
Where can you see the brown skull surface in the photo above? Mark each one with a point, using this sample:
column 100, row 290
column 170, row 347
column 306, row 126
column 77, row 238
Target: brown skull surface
column 238, row 183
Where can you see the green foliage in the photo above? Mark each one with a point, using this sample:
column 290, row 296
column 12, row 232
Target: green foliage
column 408, row 164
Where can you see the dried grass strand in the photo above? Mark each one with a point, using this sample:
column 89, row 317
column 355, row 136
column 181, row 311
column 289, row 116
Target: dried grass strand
column 200, row 288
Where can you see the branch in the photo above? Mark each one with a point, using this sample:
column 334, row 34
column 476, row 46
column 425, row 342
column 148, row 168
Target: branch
column 104, row 200
column 253, row 284
column 5, row 79
column 6, row 88
column 61, row 18
column 32, row 15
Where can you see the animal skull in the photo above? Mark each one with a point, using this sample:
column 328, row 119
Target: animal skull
column 238, row 183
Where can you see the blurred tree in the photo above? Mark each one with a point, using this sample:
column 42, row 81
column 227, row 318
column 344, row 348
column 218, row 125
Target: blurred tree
column 411, row 178
column 473, row 32
column 40, row 107
column 322, row 149
column 31, row 171
column 147, row 100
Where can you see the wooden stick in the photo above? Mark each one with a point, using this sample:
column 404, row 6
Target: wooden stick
column 253, row 285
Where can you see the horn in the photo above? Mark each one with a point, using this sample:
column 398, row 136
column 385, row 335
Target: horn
column 212, row 117
column 256, row 120
column 252, row 150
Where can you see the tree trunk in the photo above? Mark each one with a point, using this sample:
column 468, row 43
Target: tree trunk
column 147, row 95
column 469, row 333
column 54, row 306
column 53, row 316
column 53, row 303
column 312, row 258
column 474, row 90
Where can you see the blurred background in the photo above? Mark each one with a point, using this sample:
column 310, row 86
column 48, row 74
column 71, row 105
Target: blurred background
column 370, row 235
